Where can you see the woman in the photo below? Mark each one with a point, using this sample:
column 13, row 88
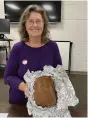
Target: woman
column 33, row 52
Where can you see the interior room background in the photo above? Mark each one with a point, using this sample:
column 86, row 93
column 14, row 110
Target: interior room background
column 73, row 27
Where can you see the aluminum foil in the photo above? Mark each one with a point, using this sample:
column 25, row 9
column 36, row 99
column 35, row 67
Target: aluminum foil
column 65, row 92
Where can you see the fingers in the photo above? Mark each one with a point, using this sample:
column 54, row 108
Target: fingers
column 26, row 92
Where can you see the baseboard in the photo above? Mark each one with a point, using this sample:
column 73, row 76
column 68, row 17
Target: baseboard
column 78, row 72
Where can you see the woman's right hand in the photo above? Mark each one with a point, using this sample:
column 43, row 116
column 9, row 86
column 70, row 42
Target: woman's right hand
column 26, row 91
column 24, row 87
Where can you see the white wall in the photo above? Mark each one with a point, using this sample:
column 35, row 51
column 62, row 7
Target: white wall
column 73, row 27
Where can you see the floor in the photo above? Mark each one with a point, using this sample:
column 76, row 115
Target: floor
column 79, row 82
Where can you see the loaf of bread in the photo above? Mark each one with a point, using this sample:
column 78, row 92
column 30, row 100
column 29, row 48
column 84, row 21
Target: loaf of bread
column 44, row 91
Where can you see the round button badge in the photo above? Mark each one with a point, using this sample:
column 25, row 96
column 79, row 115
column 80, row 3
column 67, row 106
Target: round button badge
column 24, row 62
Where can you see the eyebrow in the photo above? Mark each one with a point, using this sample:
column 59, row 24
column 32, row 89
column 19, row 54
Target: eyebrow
column 36, row 19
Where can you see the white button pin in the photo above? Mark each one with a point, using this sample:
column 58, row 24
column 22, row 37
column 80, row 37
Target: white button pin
column 24, row 62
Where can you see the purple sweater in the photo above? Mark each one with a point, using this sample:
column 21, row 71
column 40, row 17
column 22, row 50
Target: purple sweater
column 24, row 57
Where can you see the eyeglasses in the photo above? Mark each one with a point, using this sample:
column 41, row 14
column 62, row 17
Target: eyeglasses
column 31, row 22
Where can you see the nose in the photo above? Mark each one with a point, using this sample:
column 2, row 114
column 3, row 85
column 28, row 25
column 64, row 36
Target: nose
column 34, row 24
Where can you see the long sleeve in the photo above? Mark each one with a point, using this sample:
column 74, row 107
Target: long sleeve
column 57, row 56
column 10, row 75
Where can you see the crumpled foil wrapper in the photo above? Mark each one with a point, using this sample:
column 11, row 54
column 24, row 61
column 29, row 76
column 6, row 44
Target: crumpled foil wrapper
column 65, row 93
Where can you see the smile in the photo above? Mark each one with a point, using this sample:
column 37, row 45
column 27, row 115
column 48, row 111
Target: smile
column 35, row 30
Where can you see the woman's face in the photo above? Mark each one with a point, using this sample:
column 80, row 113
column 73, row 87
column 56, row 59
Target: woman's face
column 34, row 24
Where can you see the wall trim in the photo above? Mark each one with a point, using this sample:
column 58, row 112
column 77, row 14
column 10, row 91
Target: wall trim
column 78, row 72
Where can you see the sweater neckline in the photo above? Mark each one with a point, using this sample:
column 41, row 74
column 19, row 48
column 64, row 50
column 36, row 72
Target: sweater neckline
column 36, row 47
